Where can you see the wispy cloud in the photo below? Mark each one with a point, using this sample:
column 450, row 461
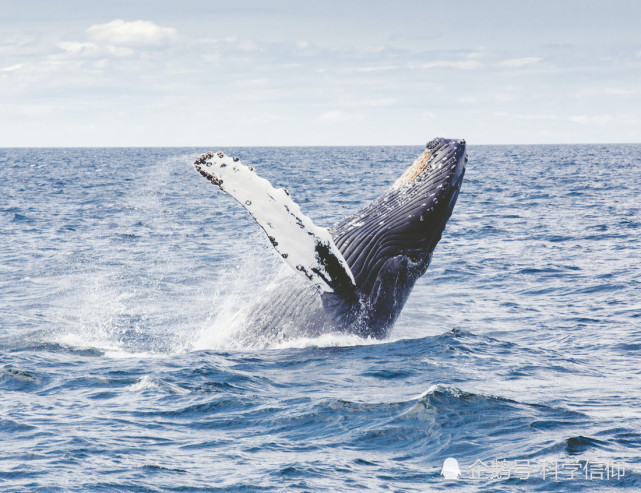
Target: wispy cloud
column 527, row 116
column 12, row 68
column 375, row 102
column 599, row 91
column 458, row 65
column 91, row 50
column 338, row 116
column 133, row 33
column 117, row 38
column 368, row 69
column 520, row 62
column 466, row 99
column 591, row 120
column 622, row 91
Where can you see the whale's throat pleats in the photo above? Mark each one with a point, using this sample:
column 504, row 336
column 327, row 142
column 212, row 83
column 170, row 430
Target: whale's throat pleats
column 407, row 221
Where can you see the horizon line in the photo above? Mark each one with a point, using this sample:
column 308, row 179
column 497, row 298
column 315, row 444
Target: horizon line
column 296, row 145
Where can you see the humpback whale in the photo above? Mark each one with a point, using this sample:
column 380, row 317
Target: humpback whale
column 356, row 276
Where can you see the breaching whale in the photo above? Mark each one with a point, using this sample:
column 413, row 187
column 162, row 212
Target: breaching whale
column 356, row 276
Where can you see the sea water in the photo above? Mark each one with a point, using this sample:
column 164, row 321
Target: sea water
column 518, row 354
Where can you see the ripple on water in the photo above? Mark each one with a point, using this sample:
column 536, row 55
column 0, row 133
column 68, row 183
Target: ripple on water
column 122, row 271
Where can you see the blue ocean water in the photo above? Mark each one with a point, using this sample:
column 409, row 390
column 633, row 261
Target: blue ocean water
column 518, row 353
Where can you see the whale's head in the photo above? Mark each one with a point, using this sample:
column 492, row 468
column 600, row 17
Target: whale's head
column 388, row 245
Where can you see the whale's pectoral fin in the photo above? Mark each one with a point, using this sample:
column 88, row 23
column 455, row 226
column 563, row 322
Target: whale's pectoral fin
column 306, row 247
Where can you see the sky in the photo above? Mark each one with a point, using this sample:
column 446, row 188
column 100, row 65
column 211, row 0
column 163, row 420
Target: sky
column 349, row 72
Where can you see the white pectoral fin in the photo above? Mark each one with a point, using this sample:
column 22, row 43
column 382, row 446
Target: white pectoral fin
column 307, row 248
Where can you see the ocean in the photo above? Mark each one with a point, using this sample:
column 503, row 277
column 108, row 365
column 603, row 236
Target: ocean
column 518, row 354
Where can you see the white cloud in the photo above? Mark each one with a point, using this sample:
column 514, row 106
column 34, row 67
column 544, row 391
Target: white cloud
column 378, row 102
column 591, row 120
column 135, row 33
column 459, row 65
column 77, row 47
column 380, row 68
column 262, row 82
column 338, row 116
column 91, row 50
column 117, row 38
column 620, row 91
column 12, row 68
column 248, row 45
column 527, row 116
column 476, row 53
column 520, row 62
column 374, row 102
column 466, row 99
column 15, row 44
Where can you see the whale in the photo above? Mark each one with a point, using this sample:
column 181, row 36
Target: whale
column 355, row 276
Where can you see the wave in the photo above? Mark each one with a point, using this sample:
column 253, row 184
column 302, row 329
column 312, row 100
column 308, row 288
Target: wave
column 151, row 383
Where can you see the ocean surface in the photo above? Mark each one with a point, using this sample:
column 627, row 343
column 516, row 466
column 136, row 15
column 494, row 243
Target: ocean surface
column 518, row 354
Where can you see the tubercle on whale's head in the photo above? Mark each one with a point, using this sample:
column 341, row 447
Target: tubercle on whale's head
column 415, row 170
column 440, row 157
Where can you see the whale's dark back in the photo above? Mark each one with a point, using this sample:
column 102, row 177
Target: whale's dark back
column 388, row 245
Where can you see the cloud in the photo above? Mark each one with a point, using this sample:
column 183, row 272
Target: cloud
column 459, row 65
column 620, row 91
column 91, row 50
column 135, row 33
column 527, row 116
column 466, row 99
column 260, row 82
column 338, row 116
column 591, row 120
column 12, row 68
column 17, row 44
column 375, row 102
column 520, row 62
column 380, row 68
column 117, row 38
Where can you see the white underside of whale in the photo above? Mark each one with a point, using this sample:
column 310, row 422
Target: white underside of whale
column 294, row 235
